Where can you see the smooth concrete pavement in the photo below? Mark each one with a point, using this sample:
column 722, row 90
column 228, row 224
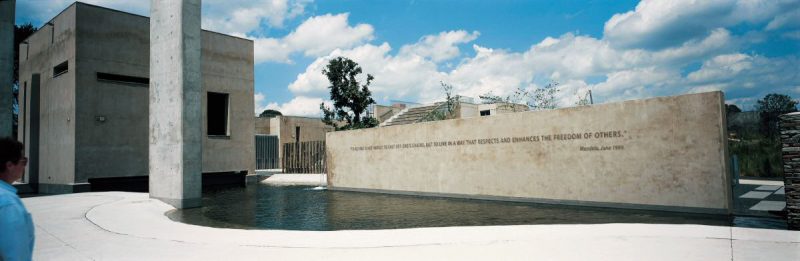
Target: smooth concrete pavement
column 131, row 226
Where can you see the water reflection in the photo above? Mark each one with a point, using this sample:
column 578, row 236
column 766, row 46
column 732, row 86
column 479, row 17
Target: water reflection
column 302, row 208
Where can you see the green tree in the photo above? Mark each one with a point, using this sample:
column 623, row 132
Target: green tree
column 269, row 113
column 772, row 106
column 350, row 97
column 731, row 109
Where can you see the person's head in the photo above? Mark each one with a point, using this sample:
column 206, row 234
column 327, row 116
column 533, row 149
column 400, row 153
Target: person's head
column 12, row 162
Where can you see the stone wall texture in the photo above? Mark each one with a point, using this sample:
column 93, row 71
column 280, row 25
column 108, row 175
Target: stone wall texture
column 790, row 137
column 667, row 153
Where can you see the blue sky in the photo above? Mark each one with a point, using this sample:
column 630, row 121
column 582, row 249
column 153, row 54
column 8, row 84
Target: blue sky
column 620, row 50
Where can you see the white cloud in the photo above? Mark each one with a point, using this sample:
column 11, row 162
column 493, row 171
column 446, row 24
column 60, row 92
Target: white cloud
column 300, row 106
column 318, row 35
column 789, row 19
column 722, row 66
column 748, row 73
column 246, row 16
column 321, row 34
column 270, row 49
column 657, row 24
column 258, row 100
column 441, row 47
column 396, row 77
column 226, row 16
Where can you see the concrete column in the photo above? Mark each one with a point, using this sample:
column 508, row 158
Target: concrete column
column 175, row 163
column 790, row 137
column 6, row 65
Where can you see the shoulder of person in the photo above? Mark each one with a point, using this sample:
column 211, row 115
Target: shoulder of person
column 8, row 199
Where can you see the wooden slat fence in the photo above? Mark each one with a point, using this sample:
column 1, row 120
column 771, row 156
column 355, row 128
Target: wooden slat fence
column 304, row 157
column 266, row 151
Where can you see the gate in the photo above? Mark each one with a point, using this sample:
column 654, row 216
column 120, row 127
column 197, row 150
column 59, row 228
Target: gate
column 266, row 151
column 304, row 157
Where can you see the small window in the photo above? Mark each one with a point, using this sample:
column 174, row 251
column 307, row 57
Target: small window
column 485, row 113
column 60, row 69
column 217, row 112
column 122, row 78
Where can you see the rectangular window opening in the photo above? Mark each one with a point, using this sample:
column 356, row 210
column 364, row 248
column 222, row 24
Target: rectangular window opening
column 61, row 68
column 217, row 113
column 110, row 77
column 485, row 113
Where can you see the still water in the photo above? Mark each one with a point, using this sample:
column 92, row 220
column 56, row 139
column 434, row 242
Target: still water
column 303, row 208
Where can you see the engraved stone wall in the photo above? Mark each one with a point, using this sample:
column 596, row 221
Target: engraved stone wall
column 667, row 153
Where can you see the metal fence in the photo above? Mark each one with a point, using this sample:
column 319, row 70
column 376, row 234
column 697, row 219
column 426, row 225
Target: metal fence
column 267, row 152
column 304, row 157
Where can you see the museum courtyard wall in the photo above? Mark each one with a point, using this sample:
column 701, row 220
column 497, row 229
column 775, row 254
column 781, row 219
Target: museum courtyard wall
column 93, row 128
column 667, row 153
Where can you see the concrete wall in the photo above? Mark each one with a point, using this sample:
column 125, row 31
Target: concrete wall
column 467, row 110
column 51, row 45
column 665, row 153
column 228, row 68
column 311, row 129
column 112, row 140
column 7, row 10
column 262, row 125
column 112, row 117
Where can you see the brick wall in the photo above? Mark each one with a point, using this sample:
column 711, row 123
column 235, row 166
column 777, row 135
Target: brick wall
column 790, row 137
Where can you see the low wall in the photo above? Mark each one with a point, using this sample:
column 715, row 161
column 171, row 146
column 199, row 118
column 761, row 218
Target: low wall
column 666, row 153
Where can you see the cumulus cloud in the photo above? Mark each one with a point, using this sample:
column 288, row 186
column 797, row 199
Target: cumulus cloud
column 246, row 16
column 227, row 16
column 749, row 73
column 441, row 47
column 656, row 24
column 321, row 34
column 300, row 106
column 396, row 77
column 625, row 73
column 318, row 35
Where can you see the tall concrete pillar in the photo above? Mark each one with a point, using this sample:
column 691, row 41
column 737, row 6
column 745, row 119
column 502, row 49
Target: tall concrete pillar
column 790, row 137
column 6, row 65
column 175, row 103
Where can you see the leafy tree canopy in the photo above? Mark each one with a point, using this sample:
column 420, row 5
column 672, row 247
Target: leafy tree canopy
column 350, row 97
column 772, row 106
column 732, row 108
column 776, row 103
column 270, row 113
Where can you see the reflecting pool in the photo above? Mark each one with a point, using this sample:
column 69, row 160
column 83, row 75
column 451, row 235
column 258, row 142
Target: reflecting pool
column 303, row 208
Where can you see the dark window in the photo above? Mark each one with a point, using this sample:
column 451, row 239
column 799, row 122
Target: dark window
column 61, row 68
column 485, row 113
column 217, row 109
column 297, row 134
column 122, row 78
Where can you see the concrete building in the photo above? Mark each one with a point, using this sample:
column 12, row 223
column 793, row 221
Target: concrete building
column 401, row 113
column 292, row 129
column 84, row 79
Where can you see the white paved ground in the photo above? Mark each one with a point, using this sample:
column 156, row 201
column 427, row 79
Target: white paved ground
column 130, row 226
column 297, row 179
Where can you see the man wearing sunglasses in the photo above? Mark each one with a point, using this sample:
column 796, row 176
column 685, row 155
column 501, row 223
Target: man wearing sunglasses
column 16, row 226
